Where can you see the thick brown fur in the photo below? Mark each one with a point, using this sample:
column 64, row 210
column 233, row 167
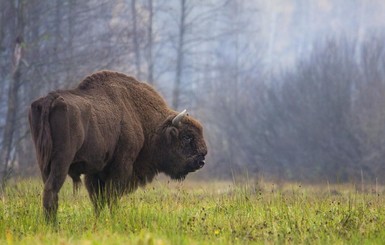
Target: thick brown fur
column 116, row 131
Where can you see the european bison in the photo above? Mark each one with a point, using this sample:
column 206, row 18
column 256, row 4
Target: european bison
column 116, row 131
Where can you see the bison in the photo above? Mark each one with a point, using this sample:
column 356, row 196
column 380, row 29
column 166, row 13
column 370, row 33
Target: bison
column 115, row 130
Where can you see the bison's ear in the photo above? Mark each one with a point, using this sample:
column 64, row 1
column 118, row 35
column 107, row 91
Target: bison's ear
column 171, row 134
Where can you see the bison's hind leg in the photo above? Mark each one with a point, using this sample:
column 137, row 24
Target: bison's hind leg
column 51, row 189
column 76, row 182
column 97, row 192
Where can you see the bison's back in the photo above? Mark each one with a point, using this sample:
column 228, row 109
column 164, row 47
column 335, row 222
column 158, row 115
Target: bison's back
column 109, row 106
column 104, row 79
column 134, row 100
column 122, row 89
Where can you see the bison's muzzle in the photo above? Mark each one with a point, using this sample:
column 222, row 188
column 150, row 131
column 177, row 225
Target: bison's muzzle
column 195, row 164
column 200, row 162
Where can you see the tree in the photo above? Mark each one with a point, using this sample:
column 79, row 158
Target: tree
column 14, row 83
column 232, row 90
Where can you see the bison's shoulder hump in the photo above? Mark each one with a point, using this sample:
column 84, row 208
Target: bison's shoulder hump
column 104, row 79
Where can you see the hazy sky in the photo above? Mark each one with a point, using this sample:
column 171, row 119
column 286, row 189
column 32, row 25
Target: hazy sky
column 291, row 27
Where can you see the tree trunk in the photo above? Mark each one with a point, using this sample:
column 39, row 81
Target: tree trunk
column 70, row 45
column 150, row 72
column 135, row 39
column 57, row 38
column 9, row 127
column 179, row 59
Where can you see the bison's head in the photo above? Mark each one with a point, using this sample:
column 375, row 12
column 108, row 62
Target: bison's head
column 183, row 146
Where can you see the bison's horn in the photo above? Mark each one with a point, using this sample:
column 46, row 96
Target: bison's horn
column 179, row 117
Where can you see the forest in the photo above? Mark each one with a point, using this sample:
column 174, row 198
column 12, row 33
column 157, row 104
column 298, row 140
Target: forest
column 285, row 91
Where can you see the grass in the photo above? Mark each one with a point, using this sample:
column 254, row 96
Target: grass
column 200, row 213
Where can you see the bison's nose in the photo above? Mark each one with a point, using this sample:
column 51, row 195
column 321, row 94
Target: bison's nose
column 201, row 163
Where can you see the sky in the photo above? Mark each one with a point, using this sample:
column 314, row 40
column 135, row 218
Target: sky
column 290, row 28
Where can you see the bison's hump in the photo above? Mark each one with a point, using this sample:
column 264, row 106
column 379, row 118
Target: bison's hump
column 103, row 79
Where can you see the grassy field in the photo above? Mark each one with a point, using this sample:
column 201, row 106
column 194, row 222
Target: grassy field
column 200, row 213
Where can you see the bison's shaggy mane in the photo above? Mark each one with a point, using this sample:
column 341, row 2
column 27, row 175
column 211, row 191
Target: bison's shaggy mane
column 104, row 78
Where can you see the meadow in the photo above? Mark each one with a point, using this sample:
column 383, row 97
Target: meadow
column 194, row 212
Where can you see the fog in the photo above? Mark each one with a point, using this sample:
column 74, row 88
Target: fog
column 286, row 90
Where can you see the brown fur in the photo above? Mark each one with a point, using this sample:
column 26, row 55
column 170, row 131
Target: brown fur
column 115, row 130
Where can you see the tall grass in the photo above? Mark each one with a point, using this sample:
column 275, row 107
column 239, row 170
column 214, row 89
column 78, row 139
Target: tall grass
column 199, row 213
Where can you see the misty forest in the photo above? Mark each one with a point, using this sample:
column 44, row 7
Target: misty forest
column 286, row 90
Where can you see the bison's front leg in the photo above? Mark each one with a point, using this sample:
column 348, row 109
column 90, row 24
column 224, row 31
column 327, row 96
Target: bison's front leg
column 97, row 192
column 115, row 189
column 119, row 181
column 102, row 193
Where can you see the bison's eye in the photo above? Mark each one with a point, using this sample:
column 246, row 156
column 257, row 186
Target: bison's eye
column 186, row 139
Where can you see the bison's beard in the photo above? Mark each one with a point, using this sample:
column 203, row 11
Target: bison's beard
column 189, row 168
column 176, row 174
column 179, row 178
column 180, row 171
column 180, row 174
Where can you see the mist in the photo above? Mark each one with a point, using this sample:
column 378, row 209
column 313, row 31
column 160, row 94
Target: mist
column 286, row 90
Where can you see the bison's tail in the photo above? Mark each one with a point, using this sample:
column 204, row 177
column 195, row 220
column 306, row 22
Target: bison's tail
column 41, row 132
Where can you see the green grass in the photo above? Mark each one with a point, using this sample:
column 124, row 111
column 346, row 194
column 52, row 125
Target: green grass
column 200, row 213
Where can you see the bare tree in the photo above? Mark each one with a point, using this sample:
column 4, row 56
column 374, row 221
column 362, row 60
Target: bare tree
column 184, row 11
column 135, row 38
column 150, row 43
column 14, row 82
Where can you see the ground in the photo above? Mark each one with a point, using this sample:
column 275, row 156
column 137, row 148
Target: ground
column 195, row 212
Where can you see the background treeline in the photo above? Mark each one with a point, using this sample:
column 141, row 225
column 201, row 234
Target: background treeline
column 319, row 119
